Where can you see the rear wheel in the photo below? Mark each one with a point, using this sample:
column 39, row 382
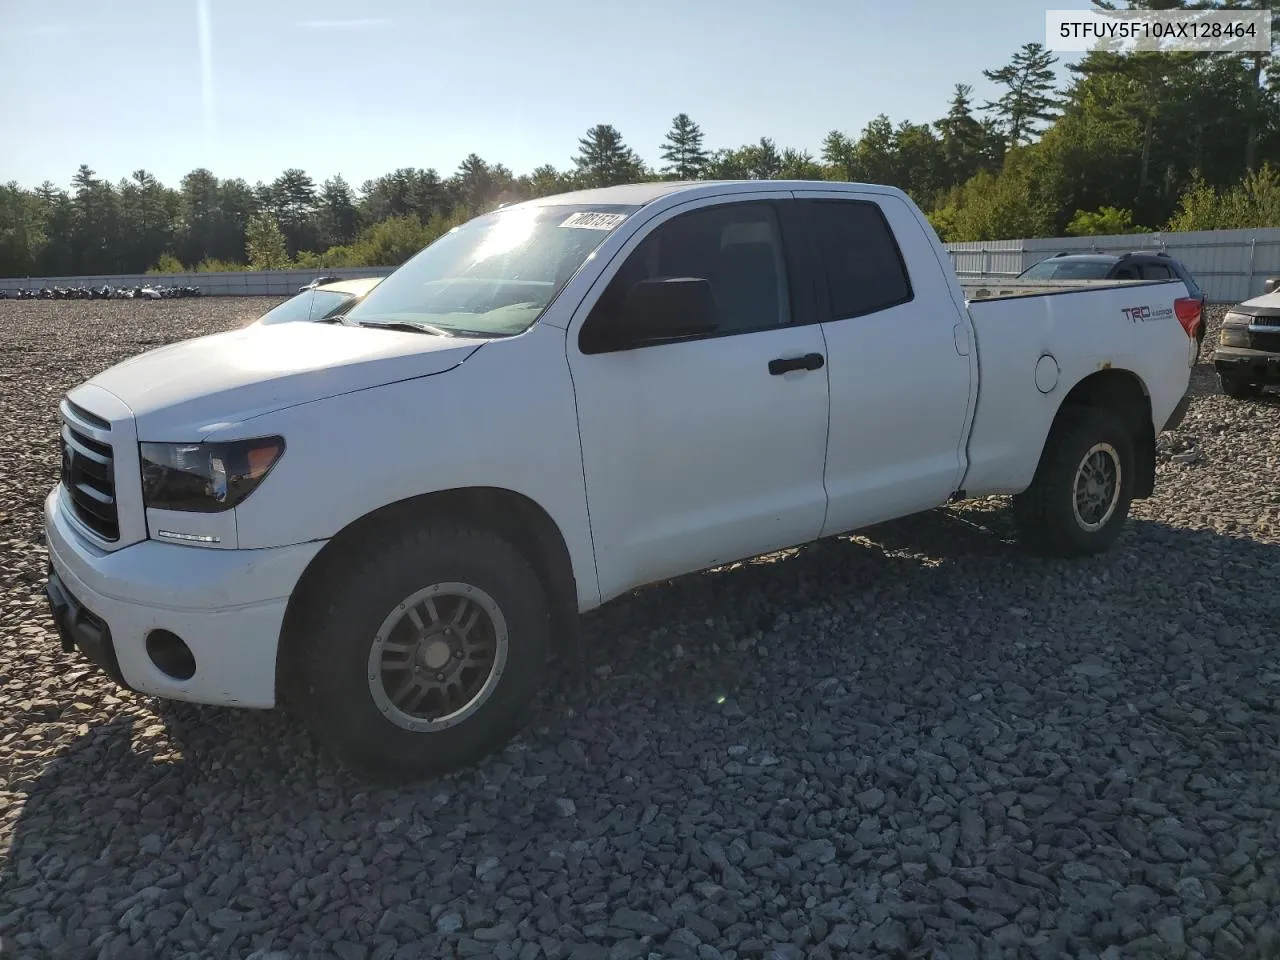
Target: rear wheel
column 1080, row 496
column 421, row 655
column 1237, row 387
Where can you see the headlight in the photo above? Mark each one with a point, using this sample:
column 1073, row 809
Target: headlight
column 1235, row 330
column 205, row 477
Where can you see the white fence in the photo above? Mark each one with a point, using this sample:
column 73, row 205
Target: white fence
column 1231, row 265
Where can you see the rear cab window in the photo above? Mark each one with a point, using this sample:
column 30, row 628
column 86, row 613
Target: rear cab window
column 862, row 263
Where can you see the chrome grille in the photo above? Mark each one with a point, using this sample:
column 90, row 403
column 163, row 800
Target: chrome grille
column 1268, row 340
column 88, row 471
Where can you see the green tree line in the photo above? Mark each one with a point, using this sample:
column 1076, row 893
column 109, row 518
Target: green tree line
column 1131, row 142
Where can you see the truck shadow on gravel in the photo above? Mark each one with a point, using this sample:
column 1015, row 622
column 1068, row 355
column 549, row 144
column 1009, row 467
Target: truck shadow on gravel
column 857, row 664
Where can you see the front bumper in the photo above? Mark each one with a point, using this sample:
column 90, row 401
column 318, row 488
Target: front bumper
column 1258, row 366
column 226, row 605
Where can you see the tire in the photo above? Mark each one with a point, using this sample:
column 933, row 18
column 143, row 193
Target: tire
column 1049, row 517
column 357, row 634
column 1238, row 388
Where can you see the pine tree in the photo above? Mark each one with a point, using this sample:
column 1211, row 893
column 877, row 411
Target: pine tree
column 473, row 183
column 337, row 213
column 963, row 139
column 604, row 160
column 686, row 158
column 764, row 160
column 841, row 153
column 264, row 244
column 1029, row 78
column 294, row 200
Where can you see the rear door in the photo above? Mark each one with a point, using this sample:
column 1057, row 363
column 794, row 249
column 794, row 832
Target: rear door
column 898, row 349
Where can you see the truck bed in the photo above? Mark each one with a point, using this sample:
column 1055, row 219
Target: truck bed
column 1034, row 338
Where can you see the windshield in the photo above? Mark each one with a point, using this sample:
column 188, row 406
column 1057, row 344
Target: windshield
column 494, row 275
column 1068, row 270
column 311, row 305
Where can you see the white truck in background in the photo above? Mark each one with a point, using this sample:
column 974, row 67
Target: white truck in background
column 393, row 521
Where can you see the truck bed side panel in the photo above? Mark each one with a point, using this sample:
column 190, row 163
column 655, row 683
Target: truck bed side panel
column 1079, row 334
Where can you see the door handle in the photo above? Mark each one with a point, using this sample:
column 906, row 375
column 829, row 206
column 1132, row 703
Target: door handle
column 810, row 361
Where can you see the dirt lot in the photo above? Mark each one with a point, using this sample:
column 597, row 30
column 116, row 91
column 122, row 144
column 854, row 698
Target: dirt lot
column 915, row 743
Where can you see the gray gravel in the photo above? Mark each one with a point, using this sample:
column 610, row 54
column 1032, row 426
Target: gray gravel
column 915, row 743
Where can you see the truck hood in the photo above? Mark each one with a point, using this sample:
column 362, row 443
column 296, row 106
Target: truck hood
column 184, row 391
column 1267, row 305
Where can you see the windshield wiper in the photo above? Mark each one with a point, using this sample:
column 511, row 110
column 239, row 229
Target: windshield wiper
column 406, row 326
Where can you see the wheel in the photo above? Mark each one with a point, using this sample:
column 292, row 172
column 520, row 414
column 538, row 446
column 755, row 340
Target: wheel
column 1080, row 496
column 420, row 653
column 1238, row 388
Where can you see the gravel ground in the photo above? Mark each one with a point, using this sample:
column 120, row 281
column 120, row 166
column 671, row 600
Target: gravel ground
column 914, row 743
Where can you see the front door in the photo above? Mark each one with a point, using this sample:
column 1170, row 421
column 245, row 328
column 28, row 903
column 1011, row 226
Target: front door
column 694, row 452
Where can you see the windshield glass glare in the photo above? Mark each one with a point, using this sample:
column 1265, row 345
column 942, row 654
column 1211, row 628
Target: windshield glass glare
column 493, row 275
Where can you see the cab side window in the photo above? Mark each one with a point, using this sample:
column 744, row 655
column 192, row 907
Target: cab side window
column 736, row 247
column 864, row 267
column 1156, row 271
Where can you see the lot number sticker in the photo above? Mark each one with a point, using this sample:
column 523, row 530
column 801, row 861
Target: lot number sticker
column 594, row 221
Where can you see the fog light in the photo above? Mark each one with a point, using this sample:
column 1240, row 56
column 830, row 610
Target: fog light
column 171, row 655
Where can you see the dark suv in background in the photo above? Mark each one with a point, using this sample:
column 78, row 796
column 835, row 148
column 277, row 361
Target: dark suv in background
column 1119, row 266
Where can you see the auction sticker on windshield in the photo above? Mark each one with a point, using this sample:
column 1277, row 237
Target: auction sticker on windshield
column 588, row 220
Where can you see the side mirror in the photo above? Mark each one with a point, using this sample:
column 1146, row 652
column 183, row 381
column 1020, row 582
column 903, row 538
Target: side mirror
column 1271, row 284
column 665, row 308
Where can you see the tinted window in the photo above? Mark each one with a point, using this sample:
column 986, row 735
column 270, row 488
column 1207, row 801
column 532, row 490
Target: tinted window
column 1069, row 270
column 1156, row 271
column 736, row 246
column 863, row 265
column 1038, row 271
column 312, row 305
column 1182, row 273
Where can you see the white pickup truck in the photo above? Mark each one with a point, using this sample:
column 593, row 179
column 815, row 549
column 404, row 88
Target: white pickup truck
column 392, row 522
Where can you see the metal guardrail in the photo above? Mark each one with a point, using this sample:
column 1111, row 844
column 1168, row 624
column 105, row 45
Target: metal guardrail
column 223, row 284
column 1230, row 265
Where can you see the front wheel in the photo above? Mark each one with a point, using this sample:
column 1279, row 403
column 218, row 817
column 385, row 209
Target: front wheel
column 1080, row 496
column 420, row 654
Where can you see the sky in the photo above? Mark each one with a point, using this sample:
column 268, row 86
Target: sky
column 248, row 88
